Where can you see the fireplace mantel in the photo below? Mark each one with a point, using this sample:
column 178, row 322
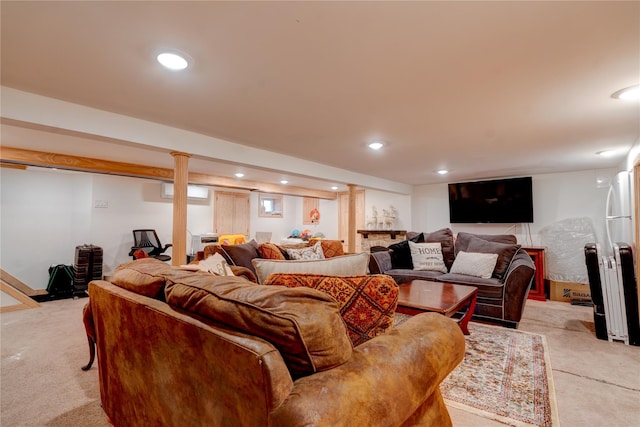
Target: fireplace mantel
column 385, row 238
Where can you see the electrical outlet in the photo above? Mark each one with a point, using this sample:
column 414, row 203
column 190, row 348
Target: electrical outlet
column 100, row 203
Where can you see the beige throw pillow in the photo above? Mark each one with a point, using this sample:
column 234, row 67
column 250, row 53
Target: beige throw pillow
column 427, row 256
column 474, row 264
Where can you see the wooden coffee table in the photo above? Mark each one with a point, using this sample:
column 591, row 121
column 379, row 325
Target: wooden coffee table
column 418, row 296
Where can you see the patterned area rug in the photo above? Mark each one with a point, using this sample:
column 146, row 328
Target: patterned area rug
column 505, row 376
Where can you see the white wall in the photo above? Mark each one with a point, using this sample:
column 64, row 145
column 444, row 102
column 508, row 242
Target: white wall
column 384, row 200
column 46, row 213
column 556, row 197
column 292, row 215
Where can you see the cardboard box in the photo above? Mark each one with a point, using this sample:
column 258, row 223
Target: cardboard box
column 567, row 291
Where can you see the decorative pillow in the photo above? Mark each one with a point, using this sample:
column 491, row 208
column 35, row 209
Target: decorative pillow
column 445, row 237
column 332, row 248
column 427, row 256
column 367, row 303
column 270, row 251
column 303, row 324
column 505, row 253
column 139, row 254
column 401, row 254
column 308, row 253
column 144, row 276
column 463, row 239
column 216, row 264
column 346, row 265
column 474, row 264
column 242, row 254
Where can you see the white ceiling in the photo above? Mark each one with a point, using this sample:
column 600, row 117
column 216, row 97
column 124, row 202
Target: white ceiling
column 484, row 89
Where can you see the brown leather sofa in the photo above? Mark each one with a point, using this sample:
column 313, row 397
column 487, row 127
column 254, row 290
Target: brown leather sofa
column 222, row 351
column 501, row 297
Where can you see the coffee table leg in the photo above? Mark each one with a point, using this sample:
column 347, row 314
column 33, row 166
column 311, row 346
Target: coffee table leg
column 464, row 320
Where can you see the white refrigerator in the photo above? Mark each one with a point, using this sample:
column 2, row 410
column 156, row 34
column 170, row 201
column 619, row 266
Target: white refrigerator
column 619, row 220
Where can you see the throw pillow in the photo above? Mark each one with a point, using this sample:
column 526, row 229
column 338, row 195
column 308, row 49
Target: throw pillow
column 216, row 264
column 427, row 256
column 270, row 251
column 303, row 324
column 308, row 253
column 445, row 237
column 401, row 253
column 144, row 276
column 474, row 264
column 505, row 253
column 242, row 254
column 367, row 303
column 346, row 265
column 332, row 248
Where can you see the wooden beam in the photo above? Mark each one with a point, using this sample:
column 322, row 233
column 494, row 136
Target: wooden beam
column 19, row 285
column 179, row 239
column 19, row 158
column 25, row 301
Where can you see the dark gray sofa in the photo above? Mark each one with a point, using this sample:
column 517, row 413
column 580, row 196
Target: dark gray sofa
column 501, row 298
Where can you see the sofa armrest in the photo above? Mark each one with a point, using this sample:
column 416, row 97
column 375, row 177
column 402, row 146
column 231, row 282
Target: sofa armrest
column 379, row 262
column 517, row 282
column 387, row 380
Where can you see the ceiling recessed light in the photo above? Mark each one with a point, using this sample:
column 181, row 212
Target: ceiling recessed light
column 172, row 61
column 284, row 181
column 631, row 93
column 376, row 145
column 239, row 175
column 606, row 153
column 442, row 172
column 334, row 188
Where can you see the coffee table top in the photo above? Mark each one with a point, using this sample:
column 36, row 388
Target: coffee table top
column 440, row 297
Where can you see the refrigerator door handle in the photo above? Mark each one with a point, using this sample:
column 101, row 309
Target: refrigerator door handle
column 618, row 216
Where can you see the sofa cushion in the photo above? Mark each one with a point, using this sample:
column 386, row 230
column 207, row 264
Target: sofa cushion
column 367, row 303
column 308, row 253
column 463, row 239
column 427, row 256
column 270, row 251
column 346, row 265
column 332, row 248
column 242, row 254
column 401, row 253
column 505, row 252
column 474, row 264
column 145, row 276
column 303, row 324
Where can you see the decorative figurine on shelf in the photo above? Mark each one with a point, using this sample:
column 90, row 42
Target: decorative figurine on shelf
column 372, row 222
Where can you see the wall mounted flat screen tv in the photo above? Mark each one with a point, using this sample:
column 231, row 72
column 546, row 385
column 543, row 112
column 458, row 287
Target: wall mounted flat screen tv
column 496, row 201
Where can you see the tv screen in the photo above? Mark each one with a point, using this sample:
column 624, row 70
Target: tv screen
column 496, row 201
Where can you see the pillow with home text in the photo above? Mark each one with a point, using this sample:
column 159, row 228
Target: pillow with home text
column 427, row 256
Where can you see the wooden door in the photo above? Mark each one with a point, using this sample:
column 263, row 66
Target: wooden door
column 343, row 217
column 231, row 213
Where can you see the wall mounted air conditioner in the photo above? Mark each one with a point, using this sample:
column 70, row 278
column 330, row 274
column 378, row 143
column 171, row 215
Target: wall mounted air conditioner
column 194, row 192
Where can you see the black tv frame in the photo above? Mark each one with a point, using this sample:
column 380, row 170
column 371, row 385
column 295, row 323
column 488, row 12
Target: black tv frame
column 497, row 201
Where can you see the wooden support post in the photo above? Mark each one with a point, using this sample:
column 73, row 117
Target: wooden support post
column 351, row 248
column 180, row 182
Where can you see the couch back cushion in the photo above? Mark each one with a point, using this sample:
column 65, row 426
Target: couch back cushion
column 463, row 239
column 367, row 303
column 145, row 276
column 505, row 245
column 346, row 265
column 303, row 324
